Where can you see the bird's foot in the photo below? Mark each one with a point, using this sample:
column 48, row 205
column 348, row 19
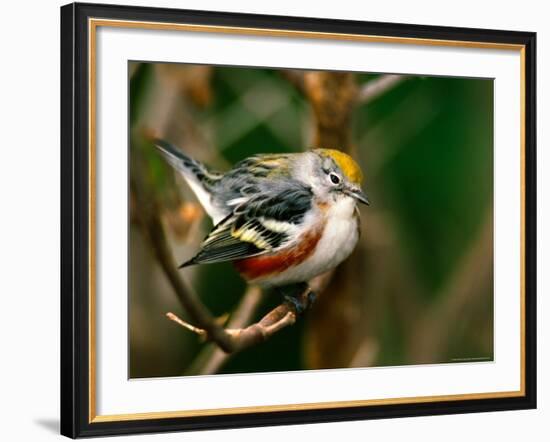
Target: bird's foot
column 295, row 304
column 300, row 299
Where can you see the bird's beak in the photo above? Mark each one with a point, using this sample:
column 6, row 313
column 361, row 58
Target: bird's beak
column 359, row 195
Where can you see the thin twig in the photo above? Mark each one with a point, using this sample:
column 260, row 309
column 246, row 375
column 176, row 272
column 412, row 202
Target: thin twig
column 373, row 89
column 178, row 320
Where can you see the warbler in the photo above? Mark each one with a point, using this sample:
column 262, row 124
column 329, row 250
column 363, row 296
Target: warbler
column 282, row 219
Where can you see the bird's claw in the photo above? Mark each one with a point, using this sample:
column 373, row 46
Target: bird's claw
column 301, row 304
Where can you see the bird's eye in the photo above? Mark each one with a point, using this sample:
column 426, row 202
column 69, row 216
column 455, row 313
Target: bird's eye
column 334, row 178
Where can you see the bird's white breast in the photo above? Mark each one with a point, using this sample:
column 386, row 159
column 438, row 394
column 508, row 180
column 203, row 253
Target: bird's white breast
column 338, row 239
column 340, row 235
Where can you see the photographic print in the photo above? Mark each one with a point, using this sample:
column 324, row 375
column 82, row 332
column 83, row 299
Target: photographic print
column 287, row 220
column 282, row 220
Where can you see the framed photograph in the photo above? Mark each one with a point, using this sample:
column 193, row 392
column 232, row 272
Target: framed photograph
column 279, row 220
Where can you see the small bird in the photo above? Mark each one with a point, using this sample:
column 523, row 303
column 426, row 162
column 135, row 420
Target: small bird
column 282, row 219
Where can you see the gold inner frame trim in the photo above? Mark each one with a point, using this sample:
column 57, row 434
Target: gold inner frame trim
column 93, row 24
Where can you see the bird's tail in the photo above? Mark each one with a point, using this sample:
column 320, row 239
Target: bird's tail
column 200, row 179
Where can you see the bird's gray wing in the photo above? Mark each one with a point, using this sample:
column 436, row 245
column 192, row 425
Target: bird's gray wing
column 258, row 174
column 263, row 223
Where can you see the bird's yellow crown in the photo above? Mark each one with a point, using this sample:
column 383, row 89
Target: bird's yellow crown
column 346, row 164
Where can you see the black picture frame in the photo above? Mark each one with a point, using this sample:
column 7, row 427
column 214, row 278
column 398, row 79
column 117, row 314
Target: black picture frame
column 75, row 219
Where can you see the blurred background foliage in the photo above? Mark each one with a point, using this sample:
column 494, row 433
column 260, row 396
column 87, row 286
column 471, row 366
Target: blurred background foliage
column 418, row 289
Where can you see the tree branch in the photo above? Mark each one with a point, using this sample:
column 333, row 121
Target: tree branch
column 331, row 96
column 277, row 319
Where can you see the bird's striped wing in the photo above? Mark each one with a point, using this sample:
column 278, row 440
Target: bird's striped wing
column 262, row 224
